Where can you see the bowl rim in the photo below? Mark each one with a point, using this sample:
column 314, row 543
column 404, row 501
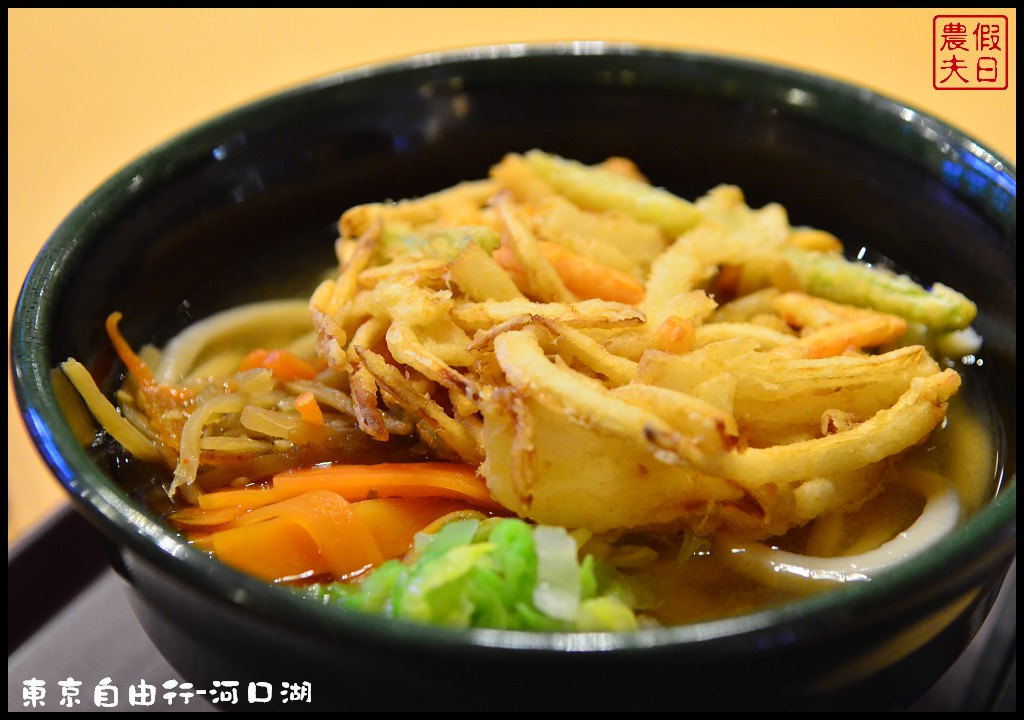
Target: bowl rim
column 117, row 517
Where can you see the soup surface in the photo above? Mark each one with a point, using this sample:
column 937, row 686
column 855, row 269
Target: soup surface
column 563, row 398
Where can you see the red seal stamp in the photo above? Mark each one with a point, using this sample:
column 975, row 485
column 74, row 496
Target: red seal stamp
column 970, row 52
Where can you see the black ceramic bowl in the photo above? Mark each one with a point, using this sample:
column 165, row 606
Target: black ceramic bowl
column 243, row 208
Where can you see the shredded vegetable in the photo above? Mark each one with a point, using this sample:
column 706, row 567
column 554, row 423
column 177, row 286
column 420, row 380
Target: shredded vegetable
column 504, row 575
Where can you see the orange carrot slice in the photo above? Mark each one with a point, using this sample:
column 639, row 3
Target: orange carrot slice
column 360, row 482
column 157, row 399
column 308, row 409
column 584, row 277
column 278, row 547
column 395, row 521
column 341, row 535
column 204, row 542
column 587, row 278
column 246, row 499
column 675, row 335
column 138, row 369
column 283, row 364
column 315, row 532
column 272, row 550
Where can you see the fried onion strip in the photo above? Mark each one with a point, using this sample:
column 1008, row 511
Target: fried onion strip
column 888, row 432
column 396, row 384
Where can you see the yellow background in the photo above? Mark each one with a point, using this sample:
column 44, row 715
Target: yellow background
column 90, row 89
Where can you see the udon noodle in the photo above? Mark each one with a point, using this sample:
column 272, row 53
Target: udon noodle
column 563, row 398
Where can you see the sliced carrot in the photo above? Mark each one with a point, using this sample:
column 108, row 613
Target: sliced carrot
column 308, row 409
column 283, row 364
column 587, row 278
column 395, row 521
column 359, row 482
column 272, row 550
column 204, row 542
column 139, row 370
column 315, row 532
column 832, row 340
column 274, row 547
column 341, row 535
column 584, row 277
column 245, row 499
column 158, row 399
column 675, row 335
column 507, row 260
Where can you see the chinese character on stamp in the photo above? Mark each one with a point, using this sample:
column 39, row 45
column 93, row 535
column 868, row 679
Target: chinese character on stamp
column 969, row 52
